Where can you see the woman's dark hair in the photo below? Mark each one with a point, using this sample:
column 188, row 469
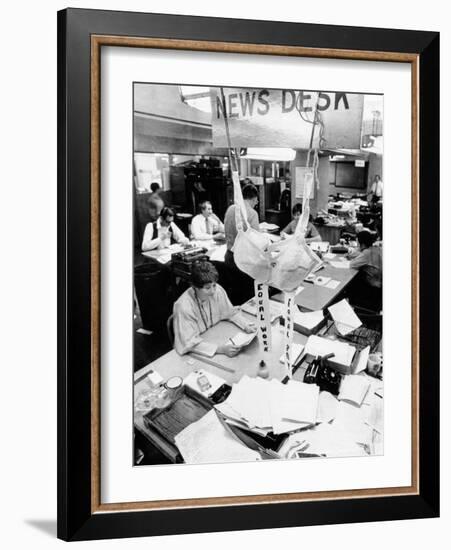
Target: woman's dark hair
column 366, row 237
column 166, row 212
column 297, row 208
column 250, row 191
column 154, row 186
column 203, row 272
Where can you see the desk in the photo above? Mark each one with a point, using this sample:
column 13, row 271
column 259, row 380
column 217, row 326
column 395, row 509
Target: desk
column 248, row 360
column 330, row 233
column 215, row 251
column 173, row 364
column 315, row 297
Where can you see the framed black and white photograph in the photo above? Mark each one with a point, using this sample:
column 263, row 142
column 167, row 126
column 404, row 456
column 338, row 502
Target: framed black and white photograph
column 247, row 249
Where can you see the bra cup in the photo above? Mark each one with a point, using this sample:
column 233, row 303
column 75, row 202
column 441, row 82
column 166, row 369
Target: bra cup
column 292, row 261
column 251, row 254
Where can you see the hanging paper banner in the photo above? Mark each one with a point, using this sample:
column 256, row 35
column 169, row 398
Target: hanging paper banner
column 261, row 117
column 289, row 313
column 263, row 316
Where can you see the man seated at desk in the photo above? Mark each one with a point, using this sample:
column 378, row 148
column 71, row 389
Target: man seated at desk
column 206, row 225
column 202, row 306
column 367, row 288
column 311, row 233
column 163, row 232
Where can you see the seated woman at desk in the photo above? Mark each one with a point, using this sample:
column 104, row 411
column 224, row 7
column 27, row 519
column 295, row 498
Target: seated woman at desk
column 367, row 288
column 202, row 306
column 163, row 232
column 311, row 234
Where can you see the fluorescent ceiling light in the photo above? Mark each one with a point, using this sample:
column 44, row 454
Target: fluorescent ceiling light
column 270, row 153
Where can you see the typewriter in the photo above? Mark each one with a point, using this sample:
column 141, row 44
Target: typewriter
column 182, row 261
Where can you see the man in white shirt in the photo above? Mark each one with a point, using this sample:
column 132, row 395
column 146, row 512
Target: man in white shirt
column 206, row 225
column 163, row 232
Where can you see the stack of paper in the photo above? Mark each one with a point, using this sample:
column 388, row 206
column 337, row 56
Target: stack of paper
column 208, row 441
column 344, row 316
column 353, row 388
column 293, row 405
column 343, row 353
column 262, row 406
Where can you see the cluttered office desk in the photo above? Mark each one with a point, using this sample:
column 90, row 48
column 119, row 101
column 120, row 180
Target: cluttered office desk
column 214, row 250
column 330, row 407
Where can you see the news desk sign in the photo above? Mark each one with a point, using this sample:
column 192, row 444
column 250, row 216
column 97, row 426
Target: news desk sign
column 263, row 117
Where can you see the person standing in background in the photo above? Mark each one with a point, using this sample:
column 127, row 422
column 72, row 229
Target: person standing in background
column 155, row 202
column 243, row 287
column 376, row 189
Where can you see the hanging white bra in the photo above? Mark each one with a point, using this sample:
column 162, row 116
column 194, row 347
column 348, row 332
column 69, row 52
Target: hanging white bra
column 284, row 264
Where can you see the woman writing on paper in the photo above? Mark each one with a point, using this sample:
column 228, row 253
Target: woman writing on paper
column 200, row 307
column 311, row 233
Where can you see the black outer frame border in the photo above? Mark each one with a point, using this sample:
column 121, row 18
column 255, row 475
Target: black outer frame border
column 75, row 521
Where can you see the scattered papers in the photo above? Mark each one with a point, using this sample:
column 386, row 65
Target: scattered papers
column 258, row 404
column 208, row 441
column 325, row 439
column 332, row 284
column 322, row 246
column 362, row 361
column 164, row 258
column 218, row 253
column 353, row 388
column 250, row 400
column 207, row 349
column 345, row 264
column 327, row 407
column 296, row 352
column 343, row 352
column 300, row 402
column 308, row 320
column 352, row 419
column 275, row 308
column 293, row 405
column 243, row 339
column 344, row 316
column 264, row 226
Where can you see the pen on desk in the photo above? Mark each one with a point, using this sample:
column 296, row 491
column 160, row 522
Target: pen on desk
column 232, row 341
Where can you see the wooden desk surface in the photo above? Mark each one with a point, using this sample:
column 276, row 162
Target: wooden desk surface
column 315, row 297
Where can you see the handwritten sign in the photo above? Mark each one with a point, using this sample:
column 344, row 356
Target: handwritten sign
column 283, row 118
column 263, row 316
